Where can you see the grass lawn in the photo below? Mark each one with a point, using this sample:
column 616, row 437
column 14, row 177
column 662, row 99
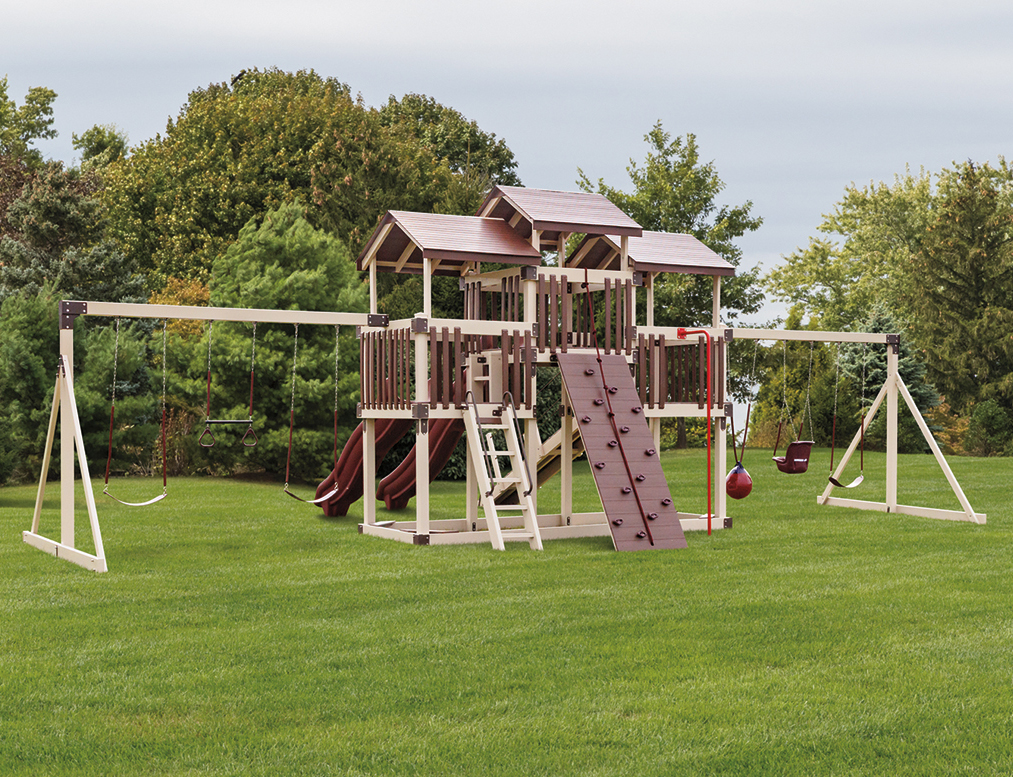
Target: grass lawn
column 239, row 632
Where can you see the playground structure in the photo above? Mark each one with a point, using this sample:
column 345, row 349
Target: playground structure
column 477, row 377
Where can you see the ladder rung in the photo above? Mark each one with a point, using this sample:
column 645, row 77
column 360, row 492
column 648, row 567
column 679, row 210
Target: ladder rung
column 509, row 534
column 492, row 423
column 498, row 453
column 511, row 508
column 506, row 480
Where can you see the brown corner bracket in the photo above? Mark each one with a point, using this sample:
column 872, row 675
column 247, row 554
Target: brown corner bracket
column 69, row 311
column 420, row 539
column 894, row 342
column 378, row 319
column 420, row 325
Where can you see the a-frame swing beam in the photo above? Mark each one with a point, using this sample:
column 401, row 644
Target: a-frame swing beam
column 65, row 406
column 893, row 388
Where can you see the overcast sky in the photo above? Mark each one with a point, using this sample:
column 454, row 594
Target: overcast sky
column 791, row 100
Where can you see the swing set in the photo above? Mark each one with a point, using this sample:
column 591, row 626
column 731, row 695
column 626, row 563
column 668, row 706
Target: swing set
column 64, row 418
column 796, row 457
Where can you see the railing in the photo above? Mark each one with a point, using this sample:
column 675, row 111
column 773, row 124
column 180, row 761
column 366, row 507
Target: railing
column 675, row 371
column 387, row 361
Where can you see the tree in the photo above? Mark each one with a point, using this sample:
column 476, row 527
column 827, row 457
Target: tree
column 958, row 286
column 100, row 145
column 237, row 150
column 675, row 192
column 55, row 239
column 20, row 127
column 836, row 280
column 452, row 138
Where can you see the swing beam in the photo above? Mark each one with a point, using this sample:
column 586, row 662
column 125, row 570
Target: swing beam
column 64, row 411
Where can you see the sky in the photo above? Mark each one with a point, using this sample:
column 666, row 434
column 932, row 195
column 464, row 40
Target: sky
column 792, row 101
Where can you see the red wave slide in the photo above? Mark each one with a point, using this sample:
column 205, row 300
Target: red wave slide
column 399, row 486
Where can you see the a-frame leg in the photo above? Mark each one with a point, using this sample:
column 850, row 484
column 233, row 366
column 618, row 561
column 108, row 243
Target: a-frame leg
column 65, row 402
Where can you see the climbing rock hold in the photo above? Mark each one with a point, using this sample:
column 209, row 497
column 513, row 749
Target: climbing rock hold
column 586, row 419
column 627, row 490
column 652, row 516
column 617, row 522
column 589, row 371
column 613, row 443
column 624, row 429
column 641, row 534
column 599, row 402
column 613, row 389
column 650, row 451
column 638, row 409
column 599, row 465
column 641, row 478
column 666, row 501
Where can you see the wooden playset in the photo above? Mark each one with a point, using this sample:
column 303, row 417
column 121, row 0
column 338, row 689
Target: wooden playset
column 529, row 303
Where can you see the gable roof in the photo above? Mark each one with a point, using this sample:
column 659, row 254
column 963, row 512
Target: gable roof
column 652, row 252
column 554, row 212
column 403, row 239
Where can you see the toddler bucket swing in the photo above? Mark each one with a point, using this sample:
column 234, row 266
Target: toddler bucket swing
column 795, row 460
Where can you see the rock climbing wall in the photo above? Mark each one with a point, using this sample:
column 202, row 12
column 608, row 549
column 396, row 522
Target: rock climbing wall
column 620, row 448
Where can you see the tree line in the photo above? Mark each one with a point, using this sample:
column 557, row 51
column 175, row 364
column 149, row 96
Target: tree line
column 262, row 189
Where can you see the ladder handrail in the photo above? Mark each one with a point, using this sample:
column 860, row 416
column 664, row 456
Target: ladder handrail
column 512, row 406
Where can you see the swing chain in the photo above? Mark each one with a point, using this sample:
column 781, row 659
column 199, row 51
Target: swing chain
column 116, row 357
column 808, row 387
column 295, row 356
column 337, row 330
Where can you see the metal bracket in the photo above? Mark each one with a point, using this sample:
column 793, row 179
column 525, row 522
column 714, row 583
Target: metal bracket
column 639, row 278
column 728, row 409
column 729, row 335
column 420, row 325
column 631, row 333
column 420, row 410
column 894, row 341
column 358, row 410
column 529, row 273
column 69, row 311
column 420, row 539
column 728, row 523
column 378, row 319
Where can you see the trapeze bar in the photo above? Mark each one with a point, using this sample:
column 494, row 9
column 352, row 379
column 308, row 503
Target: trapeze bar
column 239, row 421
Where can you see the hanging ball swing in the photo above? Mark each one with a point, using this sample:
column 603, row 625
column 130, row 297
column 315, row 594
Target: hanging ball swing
column 738, row 483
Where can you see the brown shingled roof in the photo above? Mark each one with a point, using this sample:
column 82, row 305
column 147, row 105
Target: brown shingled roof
column 554, row 212
column 402, row 239
column 652, row 252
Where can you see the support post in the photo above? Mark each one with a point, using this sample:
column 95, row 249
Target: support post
column 422, row 425
column 67, row 442
column 369, row 471
column 566, row 464
column 716, row 309
column 892, row 359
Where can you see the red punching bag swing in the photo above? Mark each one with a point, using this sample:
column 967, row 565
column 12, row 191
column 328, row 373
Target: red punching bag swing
column 738, row 483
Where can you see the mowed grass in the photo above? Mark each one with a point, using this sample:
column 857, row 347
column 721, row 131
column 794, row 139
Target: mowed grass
column 239, row 632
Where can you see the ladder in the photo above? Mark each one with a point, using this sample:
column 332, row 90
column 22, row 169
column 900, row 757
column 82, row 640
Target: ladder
column 485, row 460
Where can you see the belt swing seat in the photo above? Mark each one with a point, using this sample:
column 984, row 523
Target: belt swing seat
column 795, row 460
column 112, row 424
column 291, row 423
column 833, row 438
